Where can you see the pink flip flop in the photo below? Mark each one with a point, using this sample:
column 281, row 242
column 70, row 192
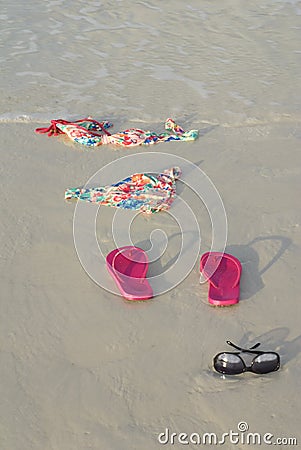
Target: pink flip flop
column 128, row 267
column 223, row 272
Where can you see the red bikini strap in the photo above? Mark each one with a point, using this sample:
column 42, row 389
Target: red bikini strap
column 53, row 130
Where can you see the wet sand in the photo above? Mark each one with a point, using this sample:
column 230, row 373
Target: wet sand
column 81, row 367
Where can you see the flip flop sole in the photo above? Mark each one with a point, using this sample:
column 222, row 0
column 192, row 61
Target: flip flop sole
column 129, row 272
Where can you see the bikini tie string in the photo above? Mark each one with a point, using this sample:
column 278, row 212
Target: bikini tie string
column 93, row 127
column 52, row 130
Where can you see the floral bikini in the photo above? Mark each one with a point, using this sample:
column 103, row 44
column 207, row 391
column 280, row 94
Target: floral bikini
column 91, row 133
column 145, row 192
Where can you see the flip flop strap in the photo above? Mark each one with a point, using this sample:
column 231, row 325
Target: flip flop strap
column 238, row 272
column 117, row 273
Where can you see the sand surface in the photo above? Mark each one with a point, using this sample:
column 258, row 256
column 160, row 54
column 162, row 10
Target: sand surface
column 80, row 368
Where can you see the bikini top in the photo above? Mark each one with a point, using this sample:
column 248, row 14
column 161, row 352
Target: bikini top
column 91, row 133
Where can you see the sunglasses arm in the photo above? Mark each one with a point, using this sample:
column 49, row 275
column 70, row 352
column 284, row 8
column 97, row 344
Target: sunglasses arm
column 243, row 349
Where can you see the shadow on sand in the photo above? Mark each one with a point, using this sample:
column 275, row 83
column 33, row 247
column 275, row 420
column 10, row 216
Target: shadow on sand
column 251, row 281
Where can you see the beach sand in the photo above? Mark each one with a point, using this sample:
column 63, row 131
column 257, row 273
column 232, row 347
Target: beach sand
column 83, row 369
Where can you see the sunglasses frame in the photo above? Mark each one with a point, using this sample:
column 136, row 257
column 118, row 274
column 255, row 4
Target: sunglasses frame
column 245, row 367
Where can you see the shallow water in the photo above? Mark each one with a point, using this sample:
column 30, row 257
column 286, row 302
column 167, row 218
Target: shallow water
column 80, row 368
column 228, row 63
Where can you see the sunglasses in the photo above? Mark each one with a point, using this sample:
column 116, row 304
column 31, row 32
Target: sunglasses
column 232, row 363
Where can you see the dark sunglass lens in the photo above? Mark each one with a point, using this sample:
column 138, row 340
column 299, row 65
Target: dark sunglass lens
column 228, row 363
column 268, row 362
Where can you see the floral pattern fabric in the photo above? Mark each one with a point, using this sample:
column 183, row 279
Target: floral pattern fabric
column 145, row 192
column 91, row 133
